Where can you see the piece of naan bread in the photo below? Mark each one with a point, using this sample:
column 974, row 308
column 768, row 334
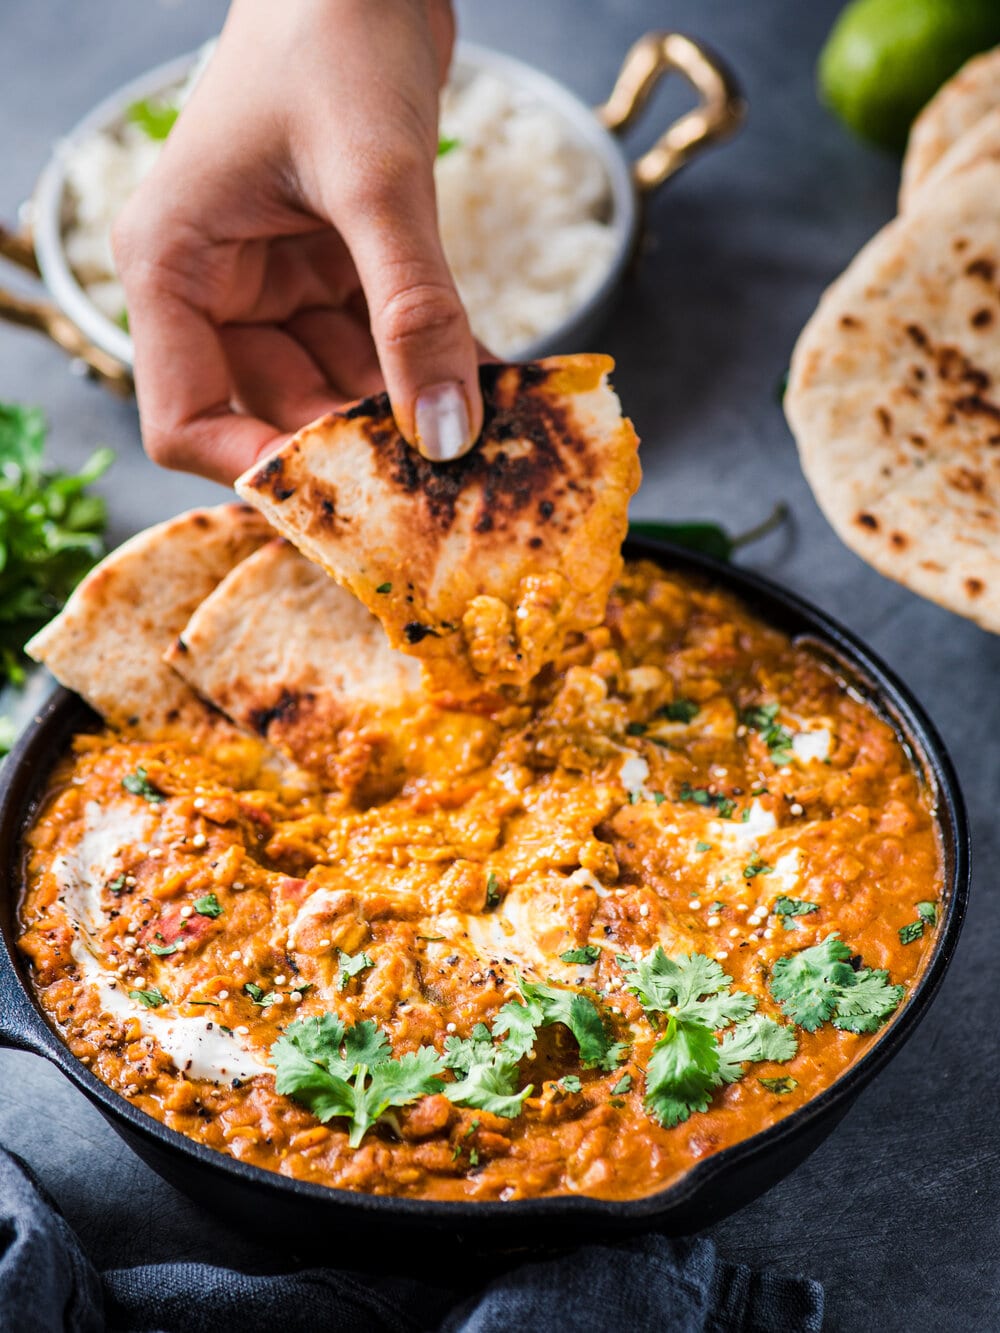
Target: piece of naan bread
column 108, row 641
column 481, row 566
column 954, row 109
column 287, row 653
column 981, row 141
column 894, row 397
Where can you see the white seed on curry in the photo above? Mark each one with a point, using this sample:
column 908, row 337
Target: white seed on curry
column 186, row 912
column 296, row 997
column 280, row 979
column 223, row 994
column 795, row 808
column 155, row 853
column 694, row 904
column 199, row 840
column 199, row 802
column 242, row 1030
column 714, row 921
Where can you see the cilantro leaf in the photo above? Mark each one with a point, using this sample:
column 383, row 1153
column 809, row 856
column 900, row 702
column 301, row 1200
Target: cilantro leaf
column 756, row 1038
column 725, row 805
column 787, row 908
column 575, row 1012
column 571, row 1083
column 263, row 999
column 779, row 1085
column 50, row 532
column 586, row 954
column 209, row 905
column 623, row 1085
column 682, row 1072
column 350, row 1073
column 162, row 950
column 383, row 588
column 351, row 965
column 446, row 146
column 912, row 931
column 492, row 891
column 777, row 738
column 688, row 987
column 155, row 118
column 489, row 1085
column 756, row 867
column 927, row 911
column 138, row 784
column 680, row 710
column 818, row 984
column 149, row 999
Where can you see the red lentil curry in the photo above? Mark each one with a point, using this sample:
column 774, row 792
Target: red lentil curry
column 595, row 935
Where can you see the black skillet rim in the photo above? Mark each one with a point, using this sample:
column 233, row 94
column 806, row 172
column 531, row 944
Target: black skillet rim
column 780, row 608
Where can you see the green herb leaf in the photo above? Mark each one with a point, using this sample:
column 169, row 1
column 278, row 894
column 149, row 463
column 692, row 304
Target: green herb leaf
column 756, row 1038
column 492, row 891
column 817, row 985
column 586, row 954
column 545, row 1005
column 138, row 784
column 384, row 588
column 155, row 118
column 209, row 905
column 779, row 1085
column 680, row 710
column 263, row 999
column 117, row 885
column 446, row 146
column 709, row 538
column 703, row 846
column 756, row 867
column 910, row 933
column 927, row 911
column 636, row 729
column 150, row 999
column 702, row 796
column 351, row 965
column 570, row 1083
column 162, row 950
column 350, row 1073
column 682, row 1072
column 689, row 987
column 777, row 738
column 623, row 1085
column 792, row 907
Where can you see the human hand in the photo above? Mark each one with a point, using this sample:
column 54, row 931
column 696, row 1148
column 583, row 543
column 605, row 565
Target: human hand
column 283, row 256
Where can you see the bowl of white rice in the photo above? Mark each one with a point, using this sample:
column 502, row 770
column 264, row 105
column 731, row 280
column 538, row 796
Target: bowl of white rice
column 539, row 207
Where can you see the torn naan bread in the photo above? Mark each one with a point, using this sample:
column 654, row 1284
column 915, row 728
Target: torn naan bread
column 289, row 654
column 894, row 398
column 481, row 566
column 108, row 641
column 979, row 142
column 954, row 109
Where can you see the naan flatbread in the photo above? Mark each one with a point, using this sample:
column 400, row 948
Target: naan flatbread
column 481, row 566
column 954, row 109
column 289, row 654
column 894, row 398
column 981, row 141
column 108, row 641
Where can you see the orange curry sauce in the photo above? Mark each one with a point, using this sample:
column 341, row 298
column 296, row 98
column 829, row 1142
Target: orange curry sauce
column 618, row 807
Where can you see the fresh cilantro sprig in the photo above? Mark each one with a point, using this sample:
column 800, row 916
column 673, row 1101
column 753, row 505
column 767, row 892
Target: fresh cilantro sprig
column 350, row 1072
column 543, row 1006
column 819, row 985
column 690, row 1000
column 789, row 908
column 763, row 720
column 587, row 954
column 50, row 532
column 351, row 965
column 486, row 1074
column 208, row 905
column 138, row 784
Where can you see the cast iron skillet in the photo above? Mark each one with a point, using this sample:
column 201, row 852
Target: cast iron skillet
column 297, row 1210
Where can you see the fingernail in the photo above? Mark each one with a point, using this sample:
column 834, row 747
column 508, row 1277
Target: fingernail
column 441, row 418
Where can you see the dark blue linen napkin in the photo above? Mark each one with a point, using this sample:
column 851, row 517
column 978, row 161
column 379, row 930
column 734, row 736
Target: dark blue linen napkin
column 48, row 1285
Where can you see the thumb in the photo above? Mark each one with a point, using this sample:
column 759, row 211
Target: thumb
column 421, row 331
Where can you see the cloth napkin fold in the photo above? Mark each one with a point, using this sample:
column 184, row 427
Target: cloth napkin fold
column 48, row 1285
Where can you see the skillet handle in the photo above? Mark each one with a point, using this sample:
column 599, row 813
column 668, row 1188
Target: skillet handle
column 719, row 113
column 21, row 1027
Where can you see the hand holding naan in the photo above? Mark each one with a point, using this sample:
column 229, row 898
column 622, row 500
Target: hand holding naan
column 283, row 257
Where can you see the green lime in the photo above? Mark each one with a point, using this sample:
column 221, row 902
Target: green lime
column 885, row 58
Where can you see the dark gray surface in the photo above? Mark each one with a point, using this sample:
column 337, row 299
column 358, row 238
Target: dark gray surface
column 897, row 1213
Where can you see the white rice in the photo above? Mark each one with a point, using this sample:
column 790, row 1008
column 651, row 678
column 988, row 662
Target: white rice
column 522, row 206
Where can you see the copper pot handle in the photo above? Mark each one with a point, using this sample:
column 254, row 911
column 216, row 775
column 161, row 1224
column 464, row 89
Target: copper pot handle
column 47, row 318
column 719, row 113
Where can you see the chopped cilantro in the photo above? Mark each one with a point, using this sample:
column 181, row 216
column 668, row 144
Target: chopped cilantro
column 351, row 965
column 702, row 796
column 703, row 846
column 623, row 1085
column 779, row 1085
column 777, row 738
column 162, row 950
column 717, row 906
column 635, row 729
column 587, row 954
column 155, row 118
column 150, row 999
column 927, row 911
column 473, row 1157
column 350, row 1073
column 570, row 1083
column 634, row 797
column 908, row 934
column 680, row 710
column 789, row 908
column 818, row 984
column 117, row 885
column 263, row 999
column 138, row 784
column 208, row 905
column 756, row 867
column 446, row 146
column 384, row 588
column 492, row 890
column 658, row 797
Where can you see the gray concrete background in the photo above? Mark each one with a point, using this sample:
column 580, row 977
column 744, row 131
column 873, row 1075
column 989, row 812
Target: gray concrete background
column 897, row 1212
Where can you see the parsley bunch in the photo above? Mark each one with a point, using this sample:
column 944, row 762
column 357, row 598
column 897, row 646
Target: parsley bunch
column 50, row 532
column 690, row 997
column 350, row 1072
column 819, row 984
